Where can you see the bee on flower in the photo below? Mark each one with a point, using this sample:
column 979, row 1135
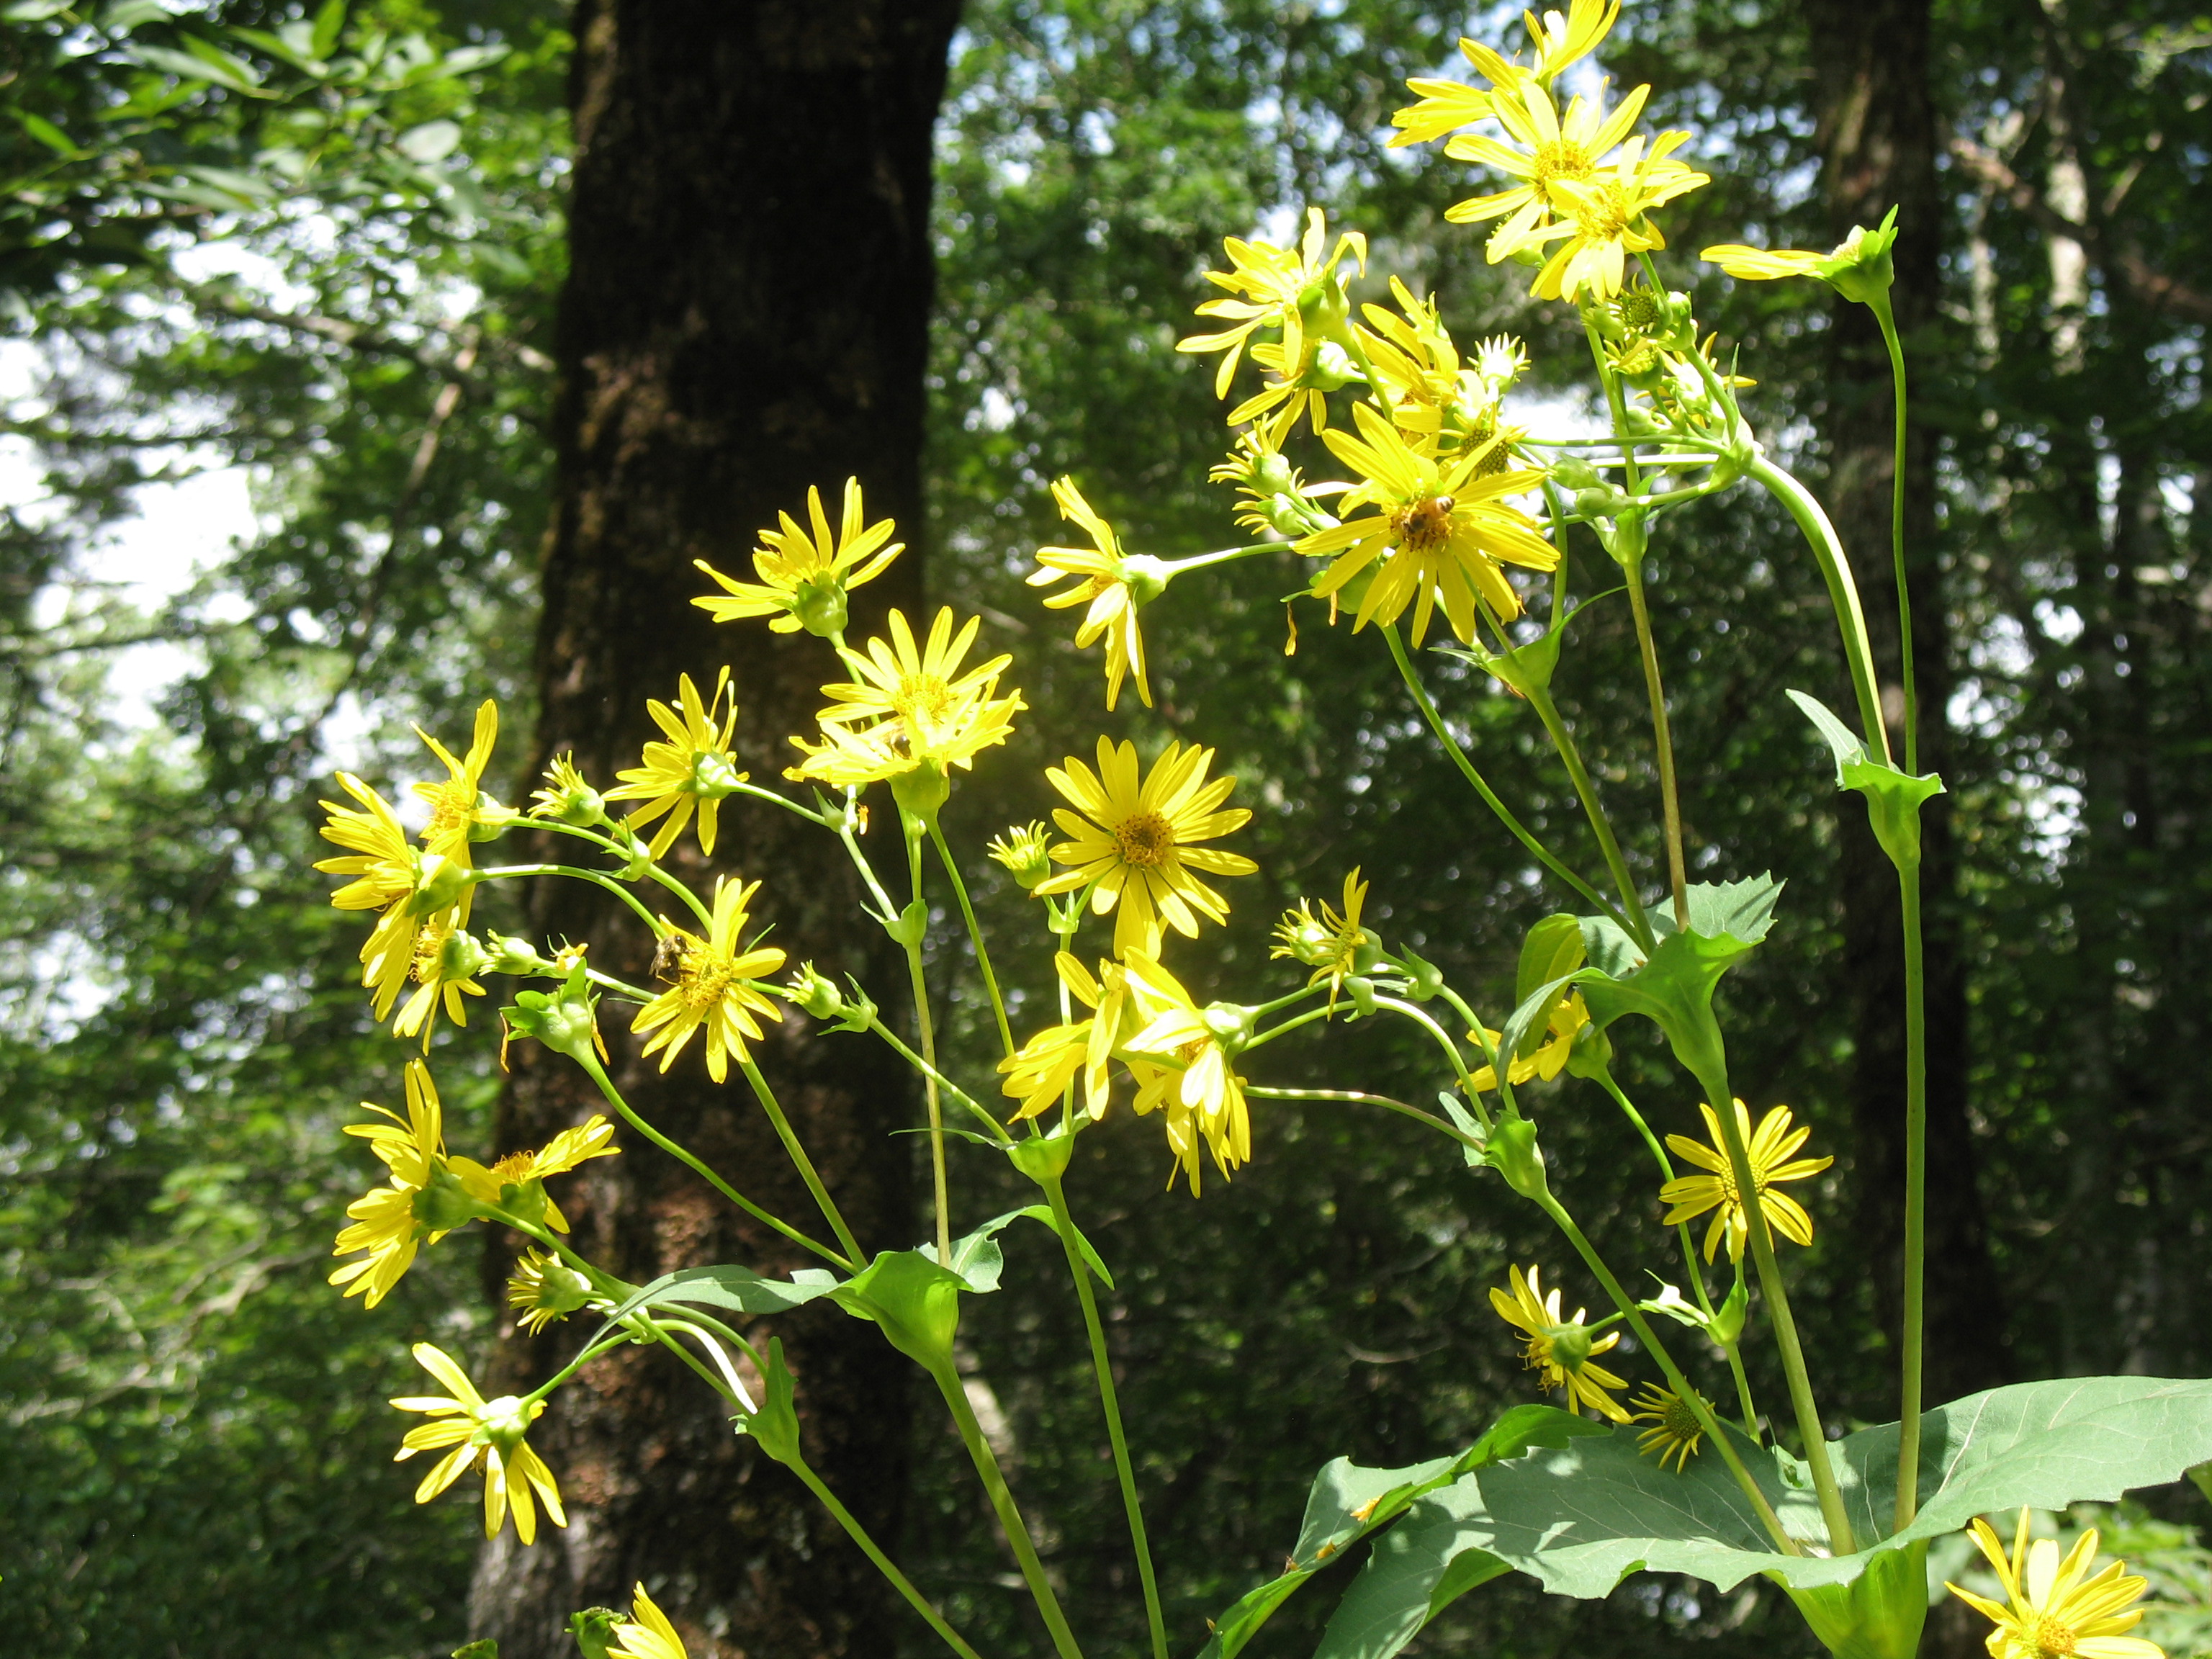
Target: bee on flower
column 712, row 986
column 805, row 577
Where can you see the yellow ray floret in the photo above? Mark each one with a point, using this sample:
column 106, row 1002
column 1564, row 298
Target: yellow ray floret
column 647, row 1633
column 1606, row 220
column 712, row 987
column 1442, row 524
column 470, row 1429
column 572, row 1146
column 1269, row 282
column 1180, row 1065
column 1329, row 943
column 461, row 811
column 1134, row 835
column 803, row 577
column 1770, row 1150
column 2054, row 1608
column 441, row 964
column 910, row 707
column 1106, row 583
column 383, row 1221
column 1548, row 152
column 693, row 769
column 1559, row 1349
column 1049, row 1062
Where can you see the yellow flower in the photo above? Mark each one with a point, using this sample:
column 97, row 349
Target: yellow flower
column 461, row 811
column 543, row 1288
column 647, row 1633
column 1441, row 523
column 1769, row 1152
column 565, row 797
column 694, row 767
column 1859, row 267
column 1446, row 105
column 1553, row 153
column 441, row 964
column 919, row 709
column 385, row 1225
column 384, row 864
column 572, row 1146
column 1021, row 849
column 712, row 987
column 804, row 579
column 476, row 1428
column 1560, row 1350
column 1178, row 1060
column 1568, row 1015
column 1049, row 1062
column 1133, row 836
column 1114, row 586
column 1675, row 1430
column 1606, row 222
column 1560, row 41
column 1330, row 944
column 1276, row 285
column 2054, row 1609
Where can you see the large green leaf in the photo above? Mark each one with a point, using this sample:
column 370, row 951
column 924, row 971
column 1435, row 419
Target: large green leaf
column 739, row 1290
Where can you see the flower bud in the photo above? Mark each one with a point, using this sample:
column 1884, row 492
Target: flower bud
column 1022, row 849
column 820, row 606
column 595, row 1630
column 1511, row 1150
column 818, row 995
column 567, row 798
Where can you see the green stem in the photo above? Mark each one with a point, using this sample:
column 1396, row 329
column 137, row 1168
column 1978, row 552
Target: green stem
column 1450, row 1048
column 1223, row 555
column 593, row 1070
column 1348, row 338
column 960, row 1097
column 928, row 1031
column 1358, row 1098
column 1880, row 309
column 1678, row 875
column 596, row 878
column 1843, row 593
column 1002, row 1503
column 975, row 936
column 1102, row 1364
column 883, row 1563
column 798, row 1157
column 1540, row 698
column 1810, row 1429
column 1466, row 768
column 1916, row 1197
column 1700, row 1407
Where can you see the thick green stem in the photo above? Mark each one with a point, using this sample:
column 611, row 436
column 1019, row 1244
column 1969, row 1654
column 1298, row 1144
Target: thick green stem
column 1810, row 1429
column 928, row 1031
column 974, row 937
column 1002, row 1503
column 1916, row 1197
column 883, row 1563
column 799, row 1159
column 1882, row 314
column 1548, row 712
column 1675, row 1380
column 1490, row 799
column 593, row 1070
column 1678, row 875
column 1101, row 1364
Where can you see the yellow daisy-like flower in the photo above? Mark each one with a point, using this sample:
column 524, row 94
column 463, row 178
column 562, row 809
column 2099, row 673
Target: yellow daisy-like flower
column 1049, row 1062
column 647, row 1633
column 1273, row 284
column 1442, row 524
column 1606, row 220
column 2056, row 1609
column 1329, row 945
column 911, row 708
column 384, row 1223
column 543, row 1288
column 1675, row 1432
column 804, row 579
column 1022, row 850
column 1112, row 585
column 1549, row 152
column 475, row 1429
column 1179, row 1063
column 712, row 987
column 1447, row 105
column 1568, row 1015
column 572, row 1146
column 1134, row 835
column 565, row 797
column 461, row 811
column 693, row 769
column 1769, row 1151
column 1561, row 1350
column 442, row 966
column 1859, row 267
column 383, row 862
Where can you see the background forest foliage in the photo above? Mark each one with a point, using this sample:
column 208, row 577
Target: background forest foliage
column 344, row 286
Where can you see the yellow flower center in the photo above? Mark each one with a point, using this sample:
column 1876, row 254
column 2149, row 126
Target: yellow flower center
column 513, row 1168
column 923, row 700
column 1679, row 1421
column 704, row 978
column 1424, row 526
column 429, row 945
column 1145, row 839
column 1561, row 159
column 1607, row 218
column 455, row 805
column 2052, row 1639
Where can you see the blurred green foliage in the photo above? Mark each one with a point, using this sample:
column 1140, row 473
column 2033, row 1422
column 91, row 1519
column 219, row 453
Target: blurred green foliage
column 194, row 1422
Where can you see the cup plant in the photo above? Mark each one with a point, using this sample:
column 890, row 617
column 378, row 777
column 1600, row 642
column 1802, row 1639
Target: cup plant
column 1449, row 522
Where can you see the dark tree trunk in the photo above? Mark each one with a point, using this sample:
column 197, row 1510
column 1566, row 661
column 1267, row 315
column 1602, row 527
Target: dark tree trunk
column 1877, row 137
column 746, row 314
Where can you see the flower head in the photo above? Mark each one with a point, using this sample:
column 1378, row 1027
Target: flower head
column 543, row 1288
column 1561, row 1350
column 1442, row 524
column 442, row 965
column 1329, row 945
column 1769, row 1151
column 647, row 1633
column 1550, row 152
column 1606, row 220
column 803, row 577
column 476, row 1429
column 2054, row 1608
column 516, row 1183
column 1047, row 1064
column 1859, row 267
column 1180, row 1056
column 566, row 798
column 1675, row 1430
column 1134, row 835
column 1568, row 1016
column 694, row 769
column 1447, row 105
column 460, row 811
column 1022, row 850
column 711, row 987
column 1112, row 584
column 911, row 709
column 1293, row 289
column 385, row 1225
column 386, row 867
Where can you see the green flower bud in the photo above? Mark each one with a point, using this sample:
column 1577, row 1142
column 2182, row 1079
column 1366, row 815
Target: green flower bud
column 1022, row 850
column 820, row 607
column 815, row 993
column 922, row 792
column 1511, row 1150
column 565, row 1021
column 504, row 955
column 1231, row 1025
column 595, row 1630
column 443, row 1203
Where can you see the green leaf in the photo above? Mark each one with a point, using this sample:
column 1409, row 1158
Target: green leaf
column 49, row 134
column 127, row 14
column 739, row 1289
column 1894, row 796
column 1044, row 1212
column 1524, row 1030
column 247, row 188
column 1553, row 949
column 33, row 11
column 1405, row 1582
column 977, row 1257
column 1348, row 1502
column 1741, row 910
column 330, row 22
column 202, row 63
column 1608, row 948
column 1845, row 745
column 916, row 1302
column 284, row 47
column 433, row 141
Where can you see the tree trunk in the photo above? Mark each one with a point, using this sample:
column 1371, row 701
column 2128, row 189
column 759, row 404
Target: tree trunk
column 1877, row 138
column 746, row 314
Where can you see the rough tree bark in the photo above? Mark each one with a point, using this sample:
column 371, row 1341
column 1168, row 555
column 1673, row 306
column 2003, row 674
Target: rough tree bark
column 1877, row 137
column 746, row 314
